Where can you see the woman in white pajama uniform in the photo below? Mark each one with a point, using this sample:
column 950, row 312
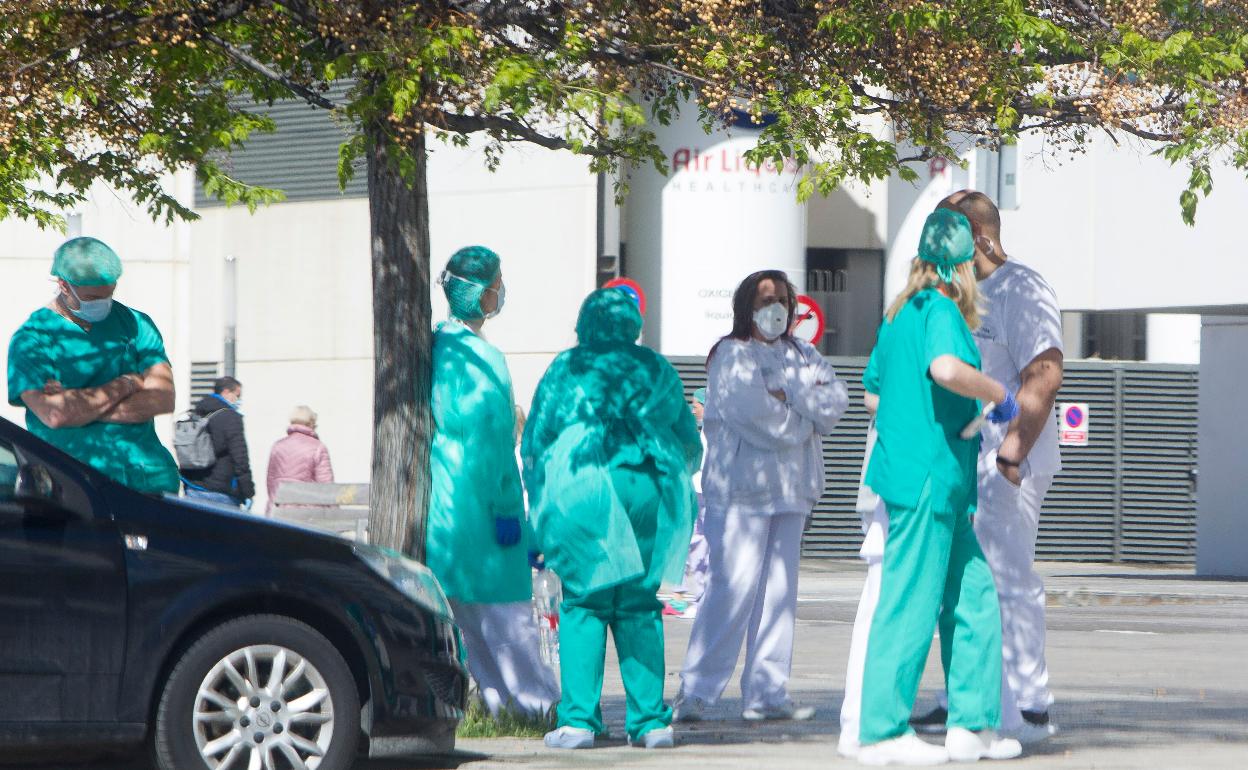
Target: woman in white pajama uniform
column 770, row 399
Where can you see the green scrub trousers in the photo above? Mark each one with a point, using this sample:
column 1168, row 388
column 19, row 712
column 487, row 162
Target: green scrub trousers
column 933, row 566
column 633, row 613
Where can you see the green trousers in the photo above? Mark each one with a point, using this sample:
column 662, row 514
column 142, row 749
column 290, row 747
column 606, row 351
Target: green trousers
column 933, row 568
column 633, row 614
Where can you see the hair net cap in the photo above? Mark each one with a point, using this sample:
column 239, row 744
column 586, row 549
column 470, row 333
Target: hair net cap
column 86, row 262
column 608, row 315
column 946, row 239
column 476, row 267
column 699, row 395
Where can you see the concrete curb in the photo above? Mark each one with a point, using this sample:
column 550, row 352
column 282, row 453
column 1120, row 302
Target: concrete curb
column 1088, row 597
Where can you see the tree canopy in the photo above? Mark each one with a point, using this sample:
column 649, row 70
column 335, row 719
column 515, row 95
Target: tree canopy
column 121, row 91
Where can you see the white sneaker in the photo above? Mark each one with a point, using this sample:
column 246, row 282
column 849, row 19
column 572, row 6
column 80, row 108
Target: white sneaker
column 967, row 746
column 661, row 738
column 909, row 750
column 1028, row 734
column 847, row 747
column 786, row 710
column 570, row 738
column 688, row 708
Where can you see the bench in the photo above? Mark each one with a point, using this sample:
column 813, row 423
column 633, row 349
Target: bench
column 341, row 509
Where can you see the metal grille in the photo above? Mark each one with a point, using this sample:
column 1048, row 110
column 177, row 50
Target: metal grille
column 1127, row 496
column 1158, row 463
column 300, row 158
column 203, row 375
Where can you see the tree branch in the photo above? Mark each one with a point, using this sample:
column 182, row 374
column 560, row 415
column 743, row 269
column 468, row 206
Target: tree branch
column 260, row 68
column 470, row 124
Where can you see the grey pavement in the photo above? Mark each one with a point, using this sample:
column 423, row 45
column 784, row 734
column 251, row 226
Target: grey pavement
column 1147, row 664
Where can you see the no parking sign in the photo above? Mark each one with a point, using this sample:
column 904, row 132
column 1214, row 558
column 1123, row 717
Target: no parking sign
column 1073, row 426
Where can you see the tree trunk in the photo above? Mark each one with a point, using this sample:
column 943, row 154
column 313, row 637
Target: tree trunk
column 402, row 351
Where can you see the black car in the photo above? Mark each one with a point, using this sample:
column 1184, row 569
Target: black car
column 223, row 639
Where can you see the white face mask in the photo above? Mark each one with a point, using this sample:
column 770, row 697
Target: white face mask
column 90, row 310
column 771, row 320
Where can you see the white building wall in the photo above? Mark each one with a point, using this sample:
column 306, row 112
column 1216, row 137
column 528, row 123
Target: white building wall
column 1104, row 228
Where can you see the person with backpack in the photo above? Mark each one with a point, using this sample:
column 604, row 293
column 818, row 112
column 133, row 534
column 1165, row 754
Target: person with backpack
column 224, row 474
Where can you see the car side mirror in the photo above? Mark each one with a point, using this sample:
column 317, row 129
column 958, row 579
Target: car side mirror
column 35, row 484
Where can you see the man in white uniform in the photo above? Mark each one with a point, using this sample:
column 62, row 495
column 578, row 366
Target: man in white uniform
column 1020, row 341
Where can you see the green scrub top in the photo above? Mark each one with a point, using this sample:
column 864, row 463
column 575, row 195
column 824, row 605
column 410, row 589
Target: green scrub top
column 49, row 346
column 475, row 474
column 919, row 421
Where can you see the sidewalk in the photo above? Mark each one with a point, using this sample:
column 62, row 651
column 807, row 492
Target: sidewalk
column 1067, row 583
column 1147, row 664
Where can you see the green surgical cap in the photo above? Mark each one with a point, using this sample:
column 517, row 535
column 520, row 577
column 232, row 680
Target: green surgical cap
column 946, row 241
column 607, row 316
column 86, row 262
column 476, row 267
column 699, row 395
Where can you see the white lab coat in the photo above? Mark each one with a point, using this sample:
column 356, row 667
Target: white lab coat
column 762, row 475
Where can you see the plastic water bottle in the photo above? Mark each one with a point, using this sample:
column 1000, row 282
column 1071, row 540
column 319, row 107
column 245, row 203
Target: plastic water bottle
column 547, row 596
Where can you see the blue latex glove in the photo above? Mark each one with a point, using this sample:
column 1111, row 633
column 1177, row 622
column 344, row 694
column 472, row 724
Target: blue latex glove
column 507, row 530
column 537, row 561
column 1005, row 411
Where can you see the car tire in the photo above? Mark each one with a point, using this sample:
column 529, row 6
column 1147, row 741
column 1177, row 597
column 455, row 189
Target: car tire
column 221, row 702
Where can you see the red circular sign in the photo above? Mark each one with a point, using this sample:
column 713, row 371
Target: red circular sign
column 808, row 321
column 630, row 287
column 1074, row 416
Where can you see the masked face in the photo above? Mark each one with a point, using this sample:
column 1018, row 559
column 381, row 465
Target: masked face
column 501, row 298
column 90, row 310
column 771, row 320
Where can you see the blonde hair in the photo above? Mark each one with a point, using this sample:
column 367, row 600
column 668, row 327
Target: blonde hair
column 964, row 289
column 303, row 415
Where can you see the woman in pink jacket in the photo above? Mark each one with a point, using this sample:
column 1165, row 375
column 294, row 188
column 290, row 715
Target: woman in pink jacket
column 301, row 456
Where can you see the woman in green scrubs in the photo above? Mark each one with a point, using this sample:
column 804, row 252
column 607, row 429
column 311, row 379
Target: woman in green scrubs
column 925, row 369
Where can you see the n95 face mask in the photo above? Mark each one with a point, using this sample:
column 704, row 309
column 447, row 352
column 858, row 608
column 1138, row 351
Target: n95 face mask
column 771, row 320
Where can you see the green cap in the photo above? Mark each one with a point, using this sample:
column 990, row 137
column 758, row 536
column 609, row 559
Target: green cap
column 86, row 262
column 699, row 395
column 475, row 267
column 608, row 316
column 946, row 241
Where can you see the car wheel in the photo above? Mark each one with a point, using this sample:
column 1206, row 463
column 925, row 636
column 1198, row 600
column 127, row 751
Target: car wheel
column 262, row 691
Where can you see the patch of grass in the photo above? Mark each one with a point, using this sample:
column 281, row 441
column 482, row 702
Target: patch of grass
column 478, row 723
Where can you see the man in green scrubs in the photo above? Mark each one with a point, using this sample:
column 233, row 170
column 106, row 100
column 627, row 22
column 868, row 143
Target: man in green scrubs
column 92, row 372
column 478, row 541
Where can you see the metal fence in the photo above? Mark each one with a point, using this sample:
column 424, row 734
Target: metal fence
column 1128, row 496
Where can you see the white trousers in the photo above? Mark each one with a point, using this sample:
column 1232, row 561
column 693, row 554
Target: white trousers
column 751, row 596
column 504, row 657
column 1007, row 522
column 872, row 552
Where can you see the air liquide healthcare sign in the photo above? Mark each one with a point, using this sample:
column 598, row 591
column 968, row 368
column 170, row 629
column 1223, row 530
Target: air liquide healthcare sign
column 694, row 234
